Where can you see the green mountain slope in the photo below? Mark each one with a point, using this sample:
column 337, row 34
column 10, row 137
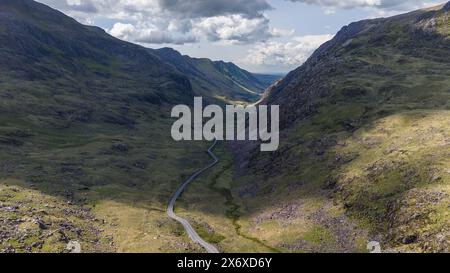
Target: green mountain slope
column 222, row 80
column 86, row 152
column 365, row 143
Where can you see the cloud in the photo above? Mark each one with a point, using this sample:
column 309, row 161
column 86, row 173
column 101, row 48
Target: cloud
column 235, row 29
column 330, row 6
column 148, row 34
column 107, row 8
column 177, row 21
column 287, row 55
column 229, row 29
column 212, row 8
column 178, row 8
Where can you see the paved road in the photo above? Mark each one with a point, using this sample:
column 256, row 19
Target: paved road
column 190, row 231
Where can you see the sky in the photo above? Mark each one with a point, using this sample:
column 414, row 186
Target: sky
column 265, row 36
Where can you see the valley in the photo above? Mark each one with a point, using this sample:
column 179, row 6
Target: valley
column 87, row 153
column 85, row 130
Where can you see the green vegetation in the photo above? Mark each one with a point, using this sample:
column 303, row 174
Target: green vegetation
column 233, row 210
column 86, row 153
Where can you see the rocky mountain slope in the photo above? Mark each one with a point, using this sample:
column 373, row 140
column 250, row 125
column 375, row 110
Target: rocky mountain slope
column 74, row 103
column 219, row 79
column 86, row 152
column 365, row 142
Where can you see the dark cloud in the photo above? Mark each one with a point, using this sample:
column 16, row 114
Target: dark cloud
column 210, row 8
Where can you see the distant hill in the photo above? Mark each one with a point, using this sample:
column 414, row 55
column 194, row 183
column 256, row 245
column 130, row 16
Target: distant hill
column 268, row 80
column 217, row 78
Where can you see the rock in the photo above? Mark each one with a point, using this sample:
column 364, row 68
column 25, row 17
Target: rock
column 121, row 147
column 73, row 247
column 62, row 236
column 410, row 239
column 78, row 231
column 40, row 223
column 140, row 164
column 374, row 247
column 37, row 244
column 330, row 184
column 10, row 208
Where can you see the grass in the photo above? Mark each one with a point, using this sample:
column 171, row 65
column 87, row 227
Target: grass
column 409, row 155
column 223, row 220
column 318, row 235
column 80, row 164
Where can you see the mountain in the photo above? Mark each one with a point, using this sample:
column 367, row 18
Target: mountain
column 420, row 35
column 83, row 120
column 42, row 46
column 253, row 82
column 218, row 78
column 268, row 80
column 365, row 143
column 85, row 137
column 86, row 153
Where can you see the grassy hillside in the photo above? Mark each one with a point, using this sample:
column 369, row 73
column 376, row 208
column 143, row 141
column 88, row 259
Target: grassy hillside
column 86, row 152
column 365, row 143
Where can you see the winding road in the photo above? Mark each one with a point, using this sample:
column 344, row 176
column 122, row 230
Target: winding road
column 190, row 231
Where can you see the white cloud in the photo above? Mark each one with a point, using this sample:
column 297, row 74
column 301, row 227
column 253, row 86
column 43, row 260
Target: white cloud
column 235, row 29
column 148, row 34
column 287, row 55
column 177, row 21
column 230, row 29
column 123, row 31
